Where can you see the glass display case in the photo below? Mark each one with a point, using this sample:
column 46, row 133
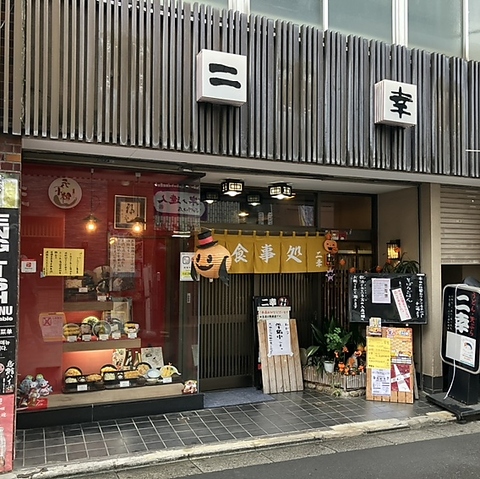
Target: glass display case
column 103, row 308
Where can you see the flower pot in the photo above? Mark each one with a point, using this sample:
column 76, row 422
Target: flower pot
column 329, row 366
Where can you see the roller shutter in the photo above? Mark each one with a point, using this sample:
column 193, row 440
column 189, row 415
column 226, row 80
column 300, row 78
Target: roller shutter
column 460, row 225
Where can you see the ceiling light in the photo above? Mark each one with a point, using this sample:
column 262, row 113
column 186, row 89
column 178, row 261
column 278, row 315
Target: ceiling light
column 138, row 223
column 181, row 234
column 280, row 191
column 91, row 220
column 254, row 199
column 232, row 187
column 211, row 197
column 91, row 223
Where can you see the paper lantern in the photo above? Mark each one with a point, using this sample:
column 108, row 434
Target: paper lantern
column 211, row 260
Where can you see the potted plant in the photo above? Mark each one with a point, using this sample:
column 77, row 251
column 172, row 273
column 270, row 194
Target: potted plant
column 329, row 343
column 336, row 339
column 401, row 266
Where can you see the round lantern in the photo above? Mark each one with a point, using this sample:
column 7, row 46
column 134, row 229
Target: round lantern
column 211, row 260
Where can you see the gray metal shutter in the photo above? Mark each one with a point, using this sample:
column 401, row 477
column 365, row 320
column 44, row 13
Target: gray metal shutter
column 460, row 225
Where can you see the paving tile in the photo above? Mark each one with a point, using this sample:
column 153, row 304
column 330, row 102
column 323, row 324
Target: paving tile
column 75, row 456
column 289, row 412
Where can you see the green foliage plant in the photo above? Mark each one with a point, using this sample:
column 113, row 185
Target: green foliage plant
column 329, row 341
column 402, row 266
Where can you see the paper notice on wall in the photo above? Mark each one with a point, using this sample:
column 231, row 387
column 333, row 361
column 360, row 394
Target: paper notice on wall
column 122, row 255
column 186, row 259
column 381, row 290
column 275, row 312
column 381, row 384
column 379, row 354
column 51, row 325
column 402, row 307
column 63, row 261
column 279, row 342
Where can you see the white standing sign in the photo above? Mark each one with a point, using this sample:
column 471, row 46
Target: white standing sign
column 279, row 342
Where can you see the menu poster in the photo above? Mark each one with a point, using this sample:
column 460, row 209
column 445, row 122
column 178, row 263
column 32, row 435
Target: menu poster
column 379, row 355
column 395, row 298
column 153, row 356
column 381, row 382
column 122, row 263
column 63, row 262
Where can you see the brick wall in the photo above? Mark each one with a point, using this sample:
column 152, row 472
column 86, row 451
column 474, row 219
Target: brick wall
column 10, row 153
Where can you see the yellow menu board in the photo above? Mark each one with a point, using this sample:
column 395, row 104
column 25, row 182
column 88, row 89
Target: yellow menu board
column 63, row 262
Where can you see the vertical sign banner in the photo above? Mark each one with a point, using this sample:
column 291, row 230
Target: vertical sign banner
column 63, row 261
column 460, row 341
column 267, row 254
column 242, row 250
column 9, row 237
column 316, row 254
column 294, row 254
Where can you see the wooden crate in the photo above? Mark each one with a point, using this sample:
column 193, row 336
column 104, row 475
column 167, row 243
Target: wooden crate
column 311, row 374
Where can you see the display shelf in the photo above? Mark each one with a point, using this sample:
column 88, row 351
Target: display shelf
column 118, row 395
column 88, row 306
column 101, row 345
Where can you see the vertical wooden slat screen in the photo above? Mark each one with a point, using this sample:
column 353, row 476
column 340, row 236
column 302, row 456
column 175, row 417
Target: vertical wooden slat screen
column 227, row 323
column 226, row 332
column 105, row 72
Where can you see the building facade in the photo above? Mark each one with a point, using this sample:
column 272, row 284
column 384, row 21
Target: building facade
column 105, row 94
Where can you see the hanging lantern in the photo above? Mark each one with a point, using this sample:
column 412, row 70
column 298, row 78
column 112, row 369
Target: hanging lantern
column 211, row 260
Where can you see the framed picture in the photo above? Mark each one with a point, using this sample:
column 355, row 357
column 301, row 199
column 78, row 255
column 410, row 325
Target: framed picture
column 127, row 208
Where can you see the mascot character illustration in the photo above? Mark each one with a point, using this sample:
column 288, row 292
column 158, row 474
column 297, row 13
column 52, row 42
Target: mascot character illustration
column 211, row 260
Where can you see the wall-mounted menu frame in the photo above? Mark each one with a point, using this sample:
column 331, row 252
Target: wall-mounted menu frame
column 394, row 298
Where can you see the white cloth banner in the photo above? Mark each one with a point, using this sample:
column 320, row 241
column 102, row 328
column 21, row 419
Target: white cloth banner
column 279, row 342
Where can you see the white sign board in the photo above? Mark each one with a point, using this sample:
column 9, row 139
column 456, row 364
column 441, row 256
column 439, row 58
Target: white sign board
column 279, row 342
column 221, row 78
column 186, row 259
column 395, row 103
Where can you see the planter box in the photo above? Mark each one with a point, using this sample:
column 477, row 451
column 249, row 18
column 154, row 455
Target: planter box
column 347, row 383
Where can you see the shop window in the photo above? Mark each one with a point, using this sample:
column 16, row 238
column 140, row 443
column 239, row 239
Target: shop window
column 127, row 304
column 368, row 18
column 340, row 211
column 300, row 12
column 438, row 29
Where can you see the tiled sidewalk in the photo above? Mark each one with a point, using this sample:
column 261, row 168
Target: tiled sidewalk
column 289, row 412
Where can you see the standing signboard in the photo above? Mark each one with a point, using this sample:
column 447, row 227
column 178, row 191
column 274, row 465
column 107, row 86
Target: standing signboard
column 277, row 340
column 390, row 368
column 460, row 342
